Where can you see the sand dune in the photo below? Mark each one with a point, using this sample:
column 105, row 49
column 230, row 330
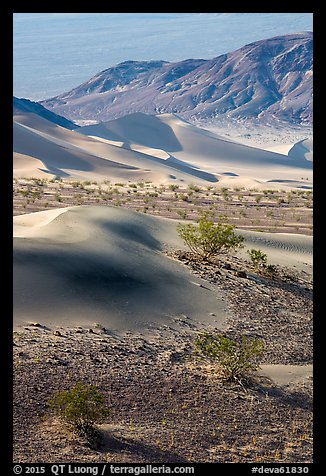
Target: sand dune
column 27, row 166
column 200, row 148
column 302, row 150
column 280, row 148
column 29, row 225
column 71, row 155
column 60, row 157
column 287, row 249
column 160, row 149
column 81, row 265
column 289, row 375
column 103, row 264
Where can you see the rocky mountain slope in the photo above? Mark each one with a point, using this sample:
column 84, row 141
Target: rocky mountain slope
column 268, row 79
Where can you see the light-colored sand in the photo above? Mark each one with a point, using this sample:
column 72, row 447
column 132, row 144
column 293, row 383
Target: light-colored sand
column 280, row 148
column 160, row 149
column 234, row 161
column 29, row 225
column 302, row 149
column 289, row 375
column 60, row 156
column 71, row 155
column 81, row 265
column 27, row 166
column 257, row 133
column 286, row 249
column 103, row 264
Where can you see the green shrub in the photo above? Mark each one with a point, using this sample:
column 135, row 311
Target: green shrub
column 208, row 239
column 184, row 197
column 194, row 187
column 257, row 257
column 270, row 268
column 173, row 187
column 259, row 260
column 234, row 359
column 81, row 407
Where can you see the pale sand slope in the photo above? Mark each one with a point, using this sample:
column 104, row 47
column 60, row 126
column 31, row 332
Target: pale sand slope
column 287, row 375
column 80, row 265
column 103, row 264
column 302, row 149
column 42, row 148
column 230, row 161
column 285, row 249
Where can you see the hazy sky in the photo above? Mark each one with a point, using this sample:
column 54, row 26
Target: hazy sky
column 54, row 52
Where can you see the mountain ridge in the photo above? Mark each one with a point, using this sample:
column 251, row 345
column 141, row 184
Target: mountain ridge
column 266, row 79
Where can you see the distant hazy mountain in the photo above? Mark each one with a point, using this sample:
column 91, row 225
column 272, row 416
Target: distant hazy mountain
column 269, row 79
column 21, row 106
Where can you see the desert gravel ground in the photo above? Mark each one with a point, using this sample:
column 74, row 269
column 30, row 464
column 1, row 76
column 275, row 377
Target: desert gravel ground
column 166, row 407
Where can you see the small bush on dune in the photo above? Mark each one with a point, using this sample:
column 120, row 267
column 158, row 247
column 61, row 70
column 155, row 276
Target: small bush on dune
column 81, row 408
column 234, row 359
column 208, row 239
column 258, row 258
column 270, row 268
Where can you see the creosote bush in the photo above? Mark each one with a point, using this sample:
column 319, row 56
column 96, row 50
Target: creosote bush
column 270, row 268
column 257, row 257
column 234, row 359
column 209, row 239
column 81, row 407
column 259, row 260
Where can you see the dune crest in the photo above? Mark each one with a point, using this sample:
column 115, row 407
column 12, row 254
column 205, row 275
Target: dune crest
column 28, row 225
column 161, row 149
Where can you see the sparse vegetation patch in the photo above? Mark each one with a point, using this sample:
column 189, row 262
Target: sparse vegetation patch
column 209, row 239
column 81, row 407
